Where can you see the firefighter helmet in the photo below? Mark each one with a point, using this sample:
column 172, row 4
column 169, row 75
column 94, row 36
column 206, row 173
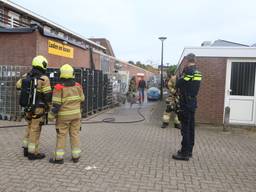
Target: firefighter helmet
column 40, row 62
column 66, row 71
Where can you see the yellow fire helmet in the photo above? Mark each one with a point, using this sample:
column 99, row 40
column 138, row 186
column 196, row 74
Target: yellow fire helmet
column 66, row 71
column 40, row 61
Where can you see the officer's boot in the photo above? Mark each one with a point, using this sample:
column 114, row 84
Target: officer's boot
column 32, row 156
column 25, row 151
column 189, row 153
column 56, row 161
column 181, row 155
column 164, row 125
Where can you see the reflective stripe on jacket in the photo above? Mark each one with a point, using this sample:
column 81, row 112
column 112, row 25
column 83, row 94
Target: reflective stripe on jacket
column 188, row 87
column 69, row 99
column 197, row 76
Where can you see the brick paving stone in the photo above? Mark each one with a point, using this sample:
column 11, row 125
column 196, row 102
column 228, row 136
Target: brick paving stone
column 132, row 158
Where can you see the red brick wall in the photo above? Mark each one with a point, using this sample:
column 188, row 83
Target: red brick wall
column 80, row 59
column 212, row 91
column 20, row 48
column 17, row 48
column 133, row 70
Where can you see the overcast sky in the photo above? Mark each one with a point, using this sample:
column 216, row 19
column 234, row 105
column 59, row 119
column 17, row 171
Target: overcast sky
column 133, row 26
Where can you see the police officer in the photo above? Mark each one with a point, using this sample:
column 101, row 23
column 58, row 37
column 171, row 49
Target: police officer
column 172, row 104
column 66, row 108
column 188, row 86
column 36, row 117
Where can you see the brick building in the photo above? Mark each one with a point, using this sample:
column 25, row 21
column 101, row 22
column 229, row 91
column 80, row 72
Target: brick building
column 24, row 34
column 228, row 80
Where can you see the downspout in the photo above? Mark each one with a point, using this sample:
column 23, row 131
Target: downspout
column 92, row 65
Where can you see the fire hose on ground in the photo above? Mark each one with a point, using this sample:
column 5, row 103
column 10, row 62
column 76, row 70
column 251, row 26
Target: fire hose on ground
column 105, row 120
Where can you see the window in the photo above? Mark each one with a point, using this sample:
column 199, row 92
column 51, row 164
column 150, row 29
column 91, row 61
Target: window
column 1, row 14
column 65, row 36
column 243, row 78
column 47, row 29
column 1, row 17
column 13, row 19
column 25, row 22
column 53, row 31
column 70, row 38
column 61, row 34
column 104, row 61
column 34, row 22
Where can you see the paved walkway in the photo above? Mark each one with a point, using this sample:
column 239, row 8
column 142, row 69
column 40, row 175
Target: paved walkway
column 133, row 158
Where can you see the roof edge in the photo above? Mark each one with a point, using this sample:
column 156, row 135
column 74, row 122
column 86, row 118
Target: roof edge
column 47, row 21
column 235, row 52
column 121, row 61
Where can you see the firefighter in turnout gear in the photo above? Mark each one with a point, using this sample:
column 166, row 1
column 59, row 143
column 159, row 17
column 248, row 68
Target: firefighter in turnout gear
column 171, row 104
column 35, row 98
column 66, row 104
column 188, row 86
column 131, row 94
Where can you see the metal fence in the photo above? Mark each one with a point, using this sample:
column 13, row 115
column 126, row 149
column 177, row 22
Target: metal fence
column 96, row 86
column 9, row 96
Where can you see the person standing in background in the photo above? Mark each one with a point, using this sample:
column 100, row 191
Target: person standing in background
column 141, row 88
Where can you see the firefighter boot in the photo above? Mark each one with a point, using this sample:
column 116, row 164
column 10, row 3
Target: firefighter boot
column 164, row 125
column 38, row 156
column 25, row 151
column 56, row 161
column 75, row 160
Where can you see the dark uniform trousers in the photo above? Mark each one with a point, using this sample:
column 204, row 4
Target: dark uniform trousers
column 188, row 131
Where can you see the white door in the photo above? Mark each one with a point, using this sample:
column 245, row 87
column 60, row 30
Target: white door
column 240, row 91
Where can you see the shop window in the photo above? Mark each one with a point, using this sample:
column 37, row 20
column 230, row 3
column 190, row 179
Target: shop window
column 243, row 78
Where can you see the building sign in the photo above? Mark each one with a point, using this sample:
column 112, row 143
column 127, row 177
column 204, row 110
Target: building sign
column 60, row 49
